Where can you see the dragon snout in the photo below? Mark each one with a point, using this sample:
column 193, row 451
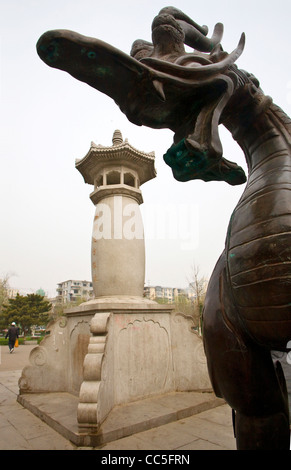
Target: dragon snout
column 54, row 46
column 48, row 47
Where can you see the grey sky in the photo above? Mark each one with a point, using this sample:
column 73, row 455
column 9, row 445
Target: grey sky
column 48, row 119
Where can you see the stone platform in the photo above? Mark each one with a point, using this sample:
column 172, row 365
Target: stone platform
column 59, row 411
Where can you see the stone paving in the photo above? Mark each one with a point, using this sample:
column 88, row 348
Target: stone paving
column 22, row 430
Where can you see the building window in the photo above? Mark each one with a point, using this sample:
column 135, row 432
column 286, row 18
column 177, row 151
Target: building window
column 129, row 179
column 113, row 177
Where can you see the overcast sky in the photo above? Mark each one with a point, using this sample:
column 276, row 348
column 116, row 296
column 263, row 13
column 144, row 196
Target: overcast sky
column 48, row 120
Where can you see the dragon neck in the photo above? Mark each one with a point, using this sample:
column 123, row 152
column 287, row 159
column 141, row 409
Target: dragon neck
column 261, row 129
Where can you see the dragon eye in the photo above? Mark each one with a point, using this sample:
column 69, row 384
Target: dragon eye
column 91, row 55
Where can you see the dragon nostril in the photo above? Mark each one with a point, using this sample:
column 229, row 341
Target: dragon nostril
column 49, row 46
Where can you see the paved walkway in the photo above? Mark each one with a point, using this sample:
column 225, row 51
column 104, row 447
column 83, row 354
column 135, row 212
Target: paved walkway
column 22, row 430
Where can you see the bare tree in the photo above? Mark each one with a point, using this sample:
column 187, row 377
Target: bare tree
column 4, row 286
column 199, row 285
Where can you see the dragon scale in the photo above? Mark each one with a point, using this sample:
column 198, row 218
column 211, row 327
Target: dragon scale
column 258, row 242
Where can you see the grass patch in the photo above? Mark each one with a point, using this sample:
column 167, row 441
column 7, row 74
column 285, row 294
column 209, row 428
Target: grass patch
column 21, row 340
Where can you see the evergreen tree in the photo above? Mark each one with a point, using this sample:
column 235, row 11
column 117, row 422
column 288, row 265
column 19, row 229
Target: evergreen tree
column 26, row 311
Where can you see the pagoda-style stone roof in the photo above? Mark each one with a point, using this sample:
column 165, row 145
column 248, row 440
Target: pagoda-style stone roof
column 120, row 153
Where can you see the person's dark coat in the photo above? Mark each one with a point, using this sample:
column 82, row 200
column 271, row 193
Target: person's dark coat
column 12, row 333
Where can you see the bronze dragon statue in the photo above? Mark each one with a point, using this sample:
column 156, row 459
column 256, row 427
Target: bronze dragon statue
column 247, row 311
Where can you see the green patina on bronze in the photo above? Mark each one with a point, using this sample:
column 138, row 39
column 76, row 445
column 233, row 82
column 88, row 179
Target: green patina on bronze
column 185, row 162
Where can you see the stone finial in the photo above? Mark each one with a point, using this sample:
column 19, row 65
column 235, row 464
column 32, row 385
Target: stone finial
column 117, row 138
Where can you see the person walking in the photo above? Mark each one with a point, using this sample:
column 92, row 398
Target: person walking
column 12, row 335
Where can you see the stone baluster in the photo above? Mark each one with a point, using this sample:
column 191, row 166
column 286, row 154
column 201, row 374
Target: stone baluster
column 88, row 397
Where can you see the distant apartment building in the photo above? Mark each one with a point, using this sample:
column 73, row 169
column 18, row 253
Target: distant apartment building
column 168, row 294
column 74, row 290
column 11, row 293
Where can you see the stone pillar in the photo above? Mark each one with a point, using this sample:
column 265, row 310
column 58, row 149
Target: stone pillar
column 118, row 253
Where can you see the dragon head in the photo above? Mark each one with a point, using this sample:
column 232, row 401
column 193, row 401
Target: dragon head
column 160, row 85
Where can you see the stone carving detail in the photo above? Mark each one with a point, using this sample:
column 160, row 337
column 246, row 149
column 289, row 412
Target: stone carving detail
column 88, row 397
column 78, row 348
column 143, row 359
column 191, row 368
column 38, row 356
column 63, row 322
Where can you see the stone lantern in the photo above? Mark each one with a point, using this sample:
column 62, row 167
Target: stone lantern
column 118, row 252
